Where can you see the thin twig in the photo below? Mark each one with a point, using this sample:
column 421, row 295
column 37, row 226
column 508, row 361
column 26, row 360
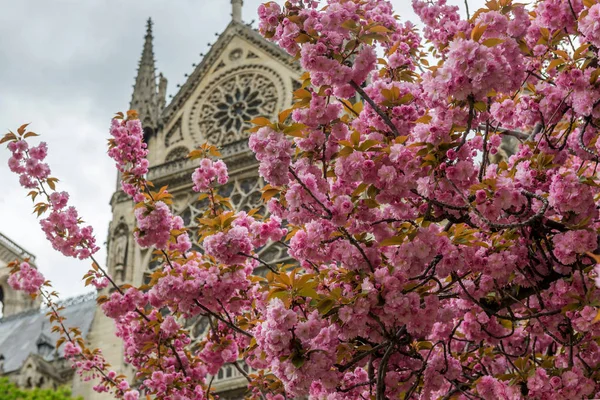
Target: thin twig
column 217, row 316
column 375, row 107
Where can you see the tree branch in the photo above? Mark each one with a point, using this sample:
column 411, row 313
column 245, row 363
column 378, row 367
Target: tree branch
column 375, row 107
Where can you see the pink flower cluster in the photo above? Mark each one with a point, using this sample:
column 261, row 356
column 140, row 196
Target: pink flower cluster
column 268, row 15
column 62, row 226
column 28, row 163
column 589, row 25
column 566, row 385
column 260, row 232
column 329, row 26
column 99, row 280
column 210, row 284
column 574, row 85
column 474, row 69
column 568, row 245
column 62, row 229
column 285, row 339
column 169, row 327
column 571, row 198
column 231, row 247
column 71, row 350
column 154, row 218
column 182, row 243
column 442, row 21
column 88, row 368
column 154, row 224
column 490, row 388
column 330, row 72
column 274, row 152
column 217, row 353
column 120, row 304
column 130, row 148
column 558, row 15
column 27, row 279
column 129, row 152
column 320, row 112
column 208, row 173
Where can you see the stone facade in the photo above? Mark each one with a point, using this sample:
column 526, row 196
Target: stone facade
column 242, row 77
column 13, row 302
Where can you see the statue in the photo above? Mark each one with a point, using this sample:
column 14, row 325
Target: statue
column 119, row 253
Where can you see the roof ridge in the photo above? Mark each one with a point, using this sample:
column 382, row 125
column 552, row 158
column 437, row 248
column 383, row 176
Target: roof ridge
column 15, row 248
column 68, row 302
column 78, row 299
column 31, row 311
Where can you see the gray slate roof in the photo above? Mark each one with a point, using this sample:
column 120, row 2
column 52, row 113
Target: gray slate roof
column 19, row 333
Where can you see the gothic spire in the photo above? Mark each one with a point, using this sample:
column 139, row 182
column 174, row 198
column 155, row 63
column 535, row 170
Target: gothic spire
column 236, row 10
column 148, row 52
column 145, row 99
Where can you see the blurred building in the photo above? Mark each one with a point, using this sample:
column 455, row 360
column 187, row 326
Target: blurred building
column 28, row 355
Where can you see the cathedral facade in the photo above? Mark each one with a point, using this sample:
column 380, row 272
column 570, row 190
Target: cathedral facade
column 243, row 76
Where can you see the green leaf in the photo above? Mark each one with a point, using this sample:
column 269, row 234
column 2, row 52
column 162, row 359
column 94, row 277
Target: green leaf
column 393, row 241
column 294, row 130
column 492, row 42
column 379, row 29
column 325, row 305
column 298, row 360
column 261, row 121
column 477, row 32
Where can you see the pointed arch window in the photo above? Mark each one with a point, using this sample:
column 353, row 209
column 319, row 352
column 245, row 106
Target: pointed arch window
column 119, row 251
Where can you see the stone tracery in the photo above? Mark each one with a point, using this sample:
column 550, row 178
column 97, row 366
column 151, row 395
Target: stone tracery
column 222, row 111
column 177, row 153
column 244, row 195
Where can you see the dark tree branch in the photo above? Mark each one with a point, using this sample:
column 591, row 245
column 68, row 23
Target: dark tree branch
column 375, row 108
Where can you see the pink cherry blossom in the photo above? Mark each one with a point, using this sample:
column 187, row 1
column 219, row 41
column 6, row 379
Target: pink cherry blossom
column 27, row 279
column 209, row 173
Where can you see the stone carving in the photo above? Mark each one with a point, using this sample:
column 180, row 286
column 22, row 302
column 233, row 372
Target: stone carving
column 177, row 154
column 119, row 252
column 221, row 65
column 236, row 54
column 174, row 135
column 244, row 195
column 246, row 33
column 222, row 112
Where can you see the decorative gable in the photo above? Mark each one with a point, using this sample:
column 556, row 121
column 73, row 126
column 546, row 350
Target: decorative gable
column 242, row 77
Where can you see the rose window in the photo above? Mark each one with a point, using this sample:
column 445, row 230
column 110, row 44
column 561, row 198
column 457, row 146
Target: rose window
column 222, row 113
column 238, row 107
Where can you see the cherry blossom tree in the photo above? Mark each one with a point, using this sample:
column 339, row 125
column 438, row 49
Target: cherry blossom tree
column 426, row 261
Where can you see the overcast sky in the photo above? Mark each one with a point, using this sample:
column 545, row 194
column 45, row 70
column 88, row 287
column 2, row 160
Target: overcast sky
column 67, row 67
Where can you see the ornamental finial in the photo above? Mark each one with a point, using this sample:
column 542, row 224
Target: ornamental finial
column 236, row 10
